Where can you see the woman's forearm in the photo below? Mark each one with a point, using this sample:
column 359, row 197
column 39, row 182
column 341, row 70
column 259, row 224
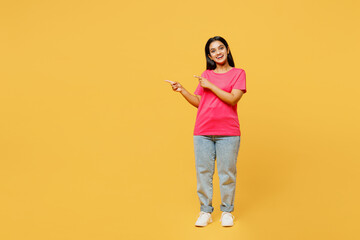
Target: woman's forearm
column 227, row 97
column 193, row 100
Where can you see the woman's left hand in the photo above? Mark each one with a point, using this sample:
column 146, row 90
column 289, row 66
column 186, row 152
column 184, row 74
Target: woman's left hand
column 204, row 82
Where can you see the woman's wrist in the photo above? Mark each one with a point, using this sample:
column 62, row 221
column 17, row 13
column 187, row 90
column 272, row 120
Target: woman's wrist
column 212, row 87
column 183, row 90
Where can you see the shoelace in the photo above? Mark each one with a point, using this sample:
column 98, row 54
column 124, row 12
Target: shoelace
column 227, row 214
column 202, row 213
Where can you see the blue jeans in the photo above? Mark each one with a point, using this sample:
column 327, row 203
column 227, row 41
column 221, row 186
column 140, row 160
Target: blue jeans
column 225, row 149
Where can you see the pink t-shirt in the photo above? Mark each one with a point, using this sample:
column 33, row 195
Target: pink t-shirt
column 214, row 116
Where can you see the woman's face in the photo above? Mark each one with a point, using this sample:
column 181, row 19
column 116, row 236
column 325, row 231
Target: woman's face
column 218, row 52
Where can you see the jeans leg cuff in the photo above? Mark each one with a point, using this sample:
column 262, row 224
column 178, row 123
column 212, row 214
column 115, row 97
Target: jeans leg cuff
column 208, row 209
column 227, row 209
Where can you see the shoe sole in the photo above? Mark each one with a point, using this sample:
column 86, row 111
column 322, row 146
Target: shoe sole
column 228, row 225
column 210, row 221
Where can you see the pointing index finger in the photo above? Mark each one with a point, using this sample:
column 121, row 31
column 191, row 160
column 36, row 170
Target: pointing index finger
column 169, row 81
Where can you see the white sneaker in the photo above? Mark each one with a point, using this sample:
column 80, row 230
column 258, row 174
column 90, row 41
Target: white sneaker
column 203, row 219
column 227, row 219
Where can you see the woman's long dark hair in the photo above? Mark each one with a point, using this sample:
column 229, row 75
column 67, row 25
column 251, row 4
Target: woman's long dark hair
column 210, row 64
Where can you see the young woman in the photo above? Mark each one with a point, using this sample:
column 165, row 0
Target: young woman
column 217, row 129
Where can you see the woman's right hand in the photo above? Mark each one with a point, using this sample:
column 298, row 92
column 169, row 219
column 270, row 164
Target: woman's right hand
column 175, row 85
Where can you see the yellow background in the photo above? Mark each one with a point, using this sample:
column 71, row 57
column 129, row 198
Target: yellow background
column 95, row 145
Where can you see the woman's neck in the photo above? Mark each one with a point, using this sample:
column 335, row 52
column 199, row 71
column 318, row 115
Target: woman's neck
column 222, row 68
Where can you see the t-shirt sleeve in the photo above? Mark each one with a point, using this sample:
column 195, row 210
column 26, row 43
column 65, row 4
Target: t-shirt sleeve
column 200, row 90
column 240, row 82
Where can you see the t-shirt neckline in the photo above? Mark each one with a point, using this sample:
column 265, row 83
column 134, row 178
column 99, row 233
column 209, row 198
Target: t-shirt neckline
column 222, row 73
